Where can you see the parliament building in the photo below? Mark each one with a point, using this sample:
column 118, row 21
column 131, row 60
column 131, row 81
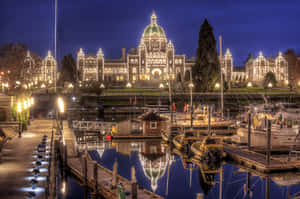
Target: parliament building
column 154, row 59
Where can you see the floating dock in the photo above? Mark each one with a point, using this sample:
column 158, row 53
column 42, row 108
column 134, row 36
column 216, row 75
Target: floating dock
column 258, row 161
column 95, row 176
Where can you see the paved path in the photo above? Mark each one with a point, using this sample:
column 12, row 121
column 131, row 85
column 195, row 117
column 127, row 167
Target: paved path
column 17, row 160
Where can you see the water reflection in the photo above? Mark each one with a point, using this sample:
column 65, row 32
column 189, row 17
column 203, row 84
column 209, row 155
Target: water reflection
column 170, row 175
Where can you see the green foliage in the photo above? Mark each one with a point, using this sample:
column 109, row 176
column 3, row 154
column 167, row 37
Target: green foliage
column 269, row 78
column 206, row 71
column 68, row 70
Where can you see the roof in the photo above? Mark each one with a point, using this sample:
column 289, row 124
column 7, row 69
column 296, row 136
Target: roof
column 151, row 116
column 153, row 28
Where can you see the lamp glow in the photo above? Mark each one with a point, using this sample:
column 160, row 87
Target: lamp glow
column 61, row 105
column 217, row 85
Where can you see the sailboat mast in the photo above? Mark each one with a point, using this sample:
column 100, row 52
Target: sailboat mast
column 221, row 78
column 55, row 38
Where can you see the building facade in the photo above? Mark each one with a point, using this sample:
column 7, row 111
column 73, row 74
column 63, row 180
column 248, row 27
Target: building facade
column 257, row 68
column 153, row 60
column 37, row 71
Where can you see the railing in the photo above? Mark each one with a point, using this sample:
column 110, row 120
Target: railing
column 93, row 126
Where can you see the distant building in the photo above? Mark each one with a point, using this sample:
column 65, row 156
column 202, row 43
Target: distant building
column 39, row 71
column 257, row 68
column 153, row 60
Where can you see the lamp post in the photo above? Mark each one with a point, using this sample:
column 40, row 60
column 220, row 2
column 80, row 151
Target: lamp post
column 217, row 87
column 61, row 108
column 19, row 110
column 161, row 86
column 191, row 86
column 270, row 85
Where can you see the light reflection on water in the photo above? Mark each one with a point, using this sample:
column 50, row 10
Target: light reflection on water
column 171, row 176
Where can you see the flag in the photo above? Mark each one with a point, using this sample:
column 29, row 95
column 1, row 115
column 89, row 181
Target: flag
column 280, row 117
column 174, row 107
column 135, row 100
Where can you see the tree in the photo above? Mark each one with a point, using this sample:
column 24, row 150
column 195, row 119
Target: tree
column 206, row 71
column 269, row 78
column 68, row 70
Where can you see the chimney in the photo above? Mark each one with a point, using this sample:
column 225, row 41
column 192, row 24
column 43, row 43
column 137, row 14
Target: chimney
column 123, row 53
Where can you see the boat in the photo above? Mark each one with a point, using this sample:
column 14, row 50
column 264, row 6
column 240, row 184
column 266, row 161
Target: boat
column 285, row 127
column 204, row 119
column 182, row 140
column 168, row 135
column 210, row 147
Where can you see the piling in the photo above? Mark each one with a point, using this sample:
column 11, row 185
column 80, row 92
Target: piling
column 114, row 177
column 209, row 131
column 84, row 159
column 95, row 176
column 133, row 184
column 269, row 142
column 249, row 131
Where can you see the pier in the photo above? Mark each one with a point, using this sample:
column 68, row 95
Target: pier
column 91, row 174
column 258, row 161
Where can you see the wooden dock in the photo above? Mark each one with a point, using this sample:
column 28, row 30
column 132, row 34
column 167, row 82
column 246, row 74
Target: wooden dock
column 95, row 176
column 258, row 161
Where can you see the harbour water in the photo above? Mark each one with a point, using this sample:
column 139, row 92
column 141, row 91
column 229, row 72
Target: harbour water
column 172, row 176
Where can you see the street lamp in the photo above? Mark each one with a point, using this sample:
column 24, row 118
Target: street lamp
column 191, row 86
column 128, row 85
column 270, row 85
column 102, row 86
column 61, row 108
column 249, row 84
column 217, row 86
column 161, row 86
column 19, row 110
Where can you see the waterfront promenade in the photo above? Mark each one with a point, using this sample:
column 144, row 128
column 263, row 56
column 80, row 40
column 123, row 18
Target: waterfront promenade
column 17, row 161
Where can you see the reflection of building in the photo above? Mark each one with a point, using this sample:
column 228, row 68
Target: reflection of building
column 154, row 161
column 153, row 59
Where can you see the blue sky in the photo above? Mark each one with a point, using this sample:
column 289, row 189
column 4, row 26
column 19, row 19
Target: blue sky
column 246, row 26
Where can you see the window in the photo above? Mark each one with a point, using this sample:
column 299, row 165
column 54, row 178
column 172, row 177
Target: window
column 153, row 125
column 133, row 77
column 134, row 70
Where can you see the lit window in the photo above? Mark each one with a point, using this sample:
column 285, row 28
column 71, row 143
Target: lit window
column 133, row 77
column 134, row 70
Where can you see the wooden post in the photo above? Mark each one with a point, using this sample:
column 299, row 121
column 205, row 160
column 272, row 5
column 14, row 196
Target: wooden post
column 133, row 184
column 209, row 131
column 248, row 181
column 85, row 169
column 249, row 131
column 269, row 142
column 96, row 177
column 115, row 175
column 267, row 187
column 65, row 156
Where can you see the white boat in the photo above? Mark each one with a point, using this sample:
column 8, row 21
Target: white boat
column 285, row 128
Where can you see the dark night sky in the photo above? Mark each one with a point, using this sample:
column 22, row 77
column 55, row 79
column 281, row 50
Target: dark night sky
column 246, row 26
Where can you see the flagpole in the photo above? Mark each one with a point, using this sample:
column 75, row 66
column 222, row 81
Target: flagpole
column 55, row 38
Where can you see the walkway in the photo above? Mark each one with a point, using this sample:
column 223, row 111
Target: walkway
column 17, row 161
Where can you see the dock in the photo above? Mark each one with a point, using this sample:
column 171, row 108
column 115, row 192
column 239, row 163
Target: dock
column 93, row 175
column 258, row 161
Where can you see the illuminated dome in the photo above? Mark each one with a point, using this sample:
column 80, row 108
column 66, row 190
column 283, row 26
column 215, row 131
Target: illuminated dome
column 154, row 28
